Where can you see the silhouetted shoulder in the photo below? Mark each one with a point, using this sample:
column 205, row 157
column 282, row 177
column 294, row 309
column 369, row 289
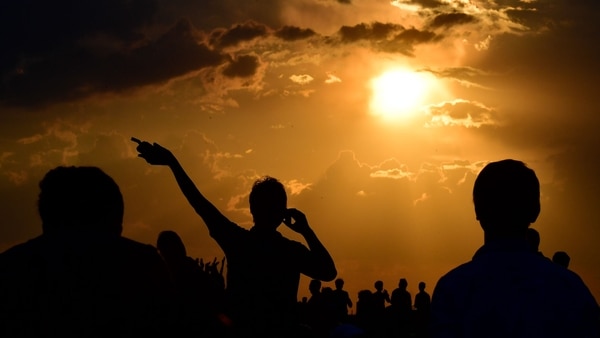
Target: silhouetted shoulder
column 20, row 254
column 501, row 288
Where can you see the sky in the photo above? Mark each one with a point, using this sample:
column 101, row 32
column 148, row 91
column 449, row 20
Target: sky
column 376, row 115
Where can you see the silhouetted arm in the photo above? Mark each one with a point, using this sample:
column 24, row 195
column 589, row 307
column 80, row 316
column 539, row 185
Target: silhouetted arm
column 320, row 265
column 386, row 296
column 155, row 154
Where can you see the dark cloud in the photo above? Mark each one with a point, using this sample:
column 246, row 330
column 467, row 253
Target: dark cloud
column 405, row 41
column 375, row 31
column 77, row 71
column 451, row 19
column 292, row 33
column 239, row 33
column 208, row 15
column 345, row 2
column 243, row 66
column 425, row 3
column 387, row 37
column 457, row 72
column 36, row 29
column 463, row 110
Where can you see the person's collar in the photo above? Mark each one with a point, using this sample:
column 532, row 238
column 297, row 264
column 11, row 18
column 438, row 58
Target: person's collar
column 503, row 245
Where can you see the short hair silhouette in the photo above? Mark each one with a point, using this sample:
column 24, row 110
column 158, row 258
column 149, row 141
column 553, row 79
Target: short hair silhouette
column 80, row 277
column 506, row 195
column 268, row 200
column 508, row 288
column 170, row 245
column 561, row 258
column 314, row 286
column 80, row 198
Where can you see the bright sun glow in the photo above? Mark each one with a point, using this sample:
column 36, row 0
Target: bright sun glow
column 398, row 93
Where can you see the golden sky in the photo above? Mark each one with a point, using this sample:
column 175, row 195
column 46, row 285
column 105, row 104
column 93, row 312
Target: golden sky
column 376, row 115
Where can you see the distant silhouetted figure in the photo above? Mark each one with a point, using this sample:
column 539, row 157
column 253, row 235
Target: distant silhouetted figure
column 365, row 310
column 561, row 258
column 508, row 289
column 422, row 299
column 422, row 311
column 380, row 297
column 199, row 296
column 264, row 267
column 400, row 312
column 401, row 298
column 320, row 310
column 533, row 237
column 341, row 300
column 81, row 278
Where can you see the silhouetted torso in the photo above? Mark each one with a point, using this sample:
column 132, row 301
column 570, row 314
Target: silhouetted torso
column 83, row 285
column 509, row 291
column 422, row 302
column 341, row 301
column 379, row 300
column 402, row 301
column 263, row 274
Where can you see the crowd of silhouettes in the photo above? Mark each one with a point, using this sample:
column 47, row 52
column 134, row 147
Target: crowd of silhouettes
column 82, row 278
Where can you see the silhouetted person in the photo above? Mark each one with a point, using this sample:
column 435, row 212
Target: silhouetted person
column 400, row 312
column 380, row 298
column 199, row 296
column 422, row 299
column 264, row 267
column 341, row 300
column 320, row 310
column 365, row 310
column 401, row 298
column 81, row 278
column 422, row 311
column 507, row 289
column 561, row 258
column 533, row 237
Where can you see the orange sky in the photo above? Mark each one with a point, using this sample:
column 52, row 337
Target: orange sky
column 236, row 89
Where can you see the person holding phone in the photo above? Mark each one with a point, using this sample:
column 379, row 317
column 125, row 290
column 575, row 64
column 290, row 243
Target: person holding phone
column 264, row 267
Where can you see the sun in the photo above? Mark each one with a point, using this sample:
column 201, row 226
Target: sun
column 398, row 93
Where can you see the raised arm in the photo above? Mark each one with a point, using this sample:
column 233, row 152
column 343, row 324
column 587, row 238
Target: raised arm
column 155, row 154
column 320, row 265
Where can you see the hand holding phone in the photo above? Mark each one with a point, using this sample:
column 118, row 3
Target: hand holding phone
column 296, row 220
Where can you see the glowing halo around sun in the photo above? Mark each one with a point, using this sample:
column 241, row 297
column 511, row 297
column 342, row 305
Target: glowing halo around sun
column 399, row 93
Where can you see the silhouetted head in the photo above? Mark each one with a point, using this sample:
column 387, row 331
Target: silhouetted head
column 506, row 195
column 314, row 286
column 378, row 285
column 268, row 202
column 339, row 283
column 561, row 258
column 422, row 286
column 364, row 295
column 533, row 237
column 403, row 283
column 170, row 246
column 80, row 199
